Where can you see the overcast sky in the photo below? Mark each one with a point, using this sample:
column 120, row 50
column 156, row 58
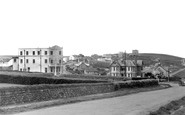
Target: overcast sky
column 93, row 26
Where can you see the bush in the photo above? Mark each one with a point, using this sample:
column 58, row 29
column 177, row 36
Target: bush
column 135, row 83
column 109, row 78
column 43, row 80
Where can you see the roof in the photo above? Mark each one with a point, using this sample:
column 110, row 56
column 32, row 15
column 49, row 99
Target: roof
column 5, row 59
column 91, row 69
column 128, row 62
column 78, row 64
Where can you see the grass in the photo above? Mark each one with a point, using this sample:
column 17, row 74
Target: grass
column 39, row 105
column 173, row 108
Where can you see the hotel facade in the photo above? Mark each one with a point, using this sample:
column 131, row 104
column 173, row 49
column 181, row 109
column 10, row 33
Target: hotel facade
column 46, row 60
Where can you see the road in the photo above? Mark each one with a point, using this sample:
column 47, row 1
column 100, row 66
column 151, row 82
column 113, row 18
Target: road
column 135, row 104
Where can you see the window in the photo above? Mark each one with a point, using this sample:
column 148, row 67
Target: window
column 33, row 52
column 21, row 60
column 60, row 52
column 20, row 52
column 46, row 61
column 60, row 61
column 27, row 61
column 20, row 69
column 14, row 60
column 33, row 60
column 38, row 52
column 46, row 52
column 27, row 52
column 51, row 52
column 28, row 68
column 51, row 61
column 46, row 70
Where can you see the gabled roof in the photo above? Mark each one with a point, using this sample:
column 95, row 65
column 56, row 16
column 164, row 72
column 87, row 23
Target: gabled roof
column 78, row 64
column 127, row 62
column 5, row 59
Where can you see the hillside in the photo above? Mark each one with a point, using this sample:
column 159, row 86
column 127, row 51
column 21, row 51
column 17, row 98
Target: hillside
column 171, row 61
column 166, row 60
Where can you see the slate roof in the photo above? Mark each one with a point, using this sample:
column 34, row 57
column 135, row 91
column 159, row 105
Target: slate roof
column 128, row 62
column 5, row 59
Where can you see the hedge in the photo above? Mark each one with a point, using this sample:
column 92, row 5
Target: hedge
column 42, row 80
column 38, row 93
column 23, row 73
column 135, row 83
column 109, row 78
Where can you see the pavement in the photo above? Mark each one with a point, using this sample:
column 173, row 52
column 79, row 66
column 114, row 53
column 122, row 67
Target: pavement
column 134, row 104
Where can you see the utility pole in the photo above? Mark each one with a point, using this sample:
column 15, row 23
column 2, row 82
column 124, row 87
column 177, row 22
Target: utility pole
column 40, row 61
column 125, row 64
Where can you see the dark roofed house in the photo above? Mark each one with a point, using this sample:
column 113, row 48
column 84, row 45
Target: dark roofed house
column 128, row 68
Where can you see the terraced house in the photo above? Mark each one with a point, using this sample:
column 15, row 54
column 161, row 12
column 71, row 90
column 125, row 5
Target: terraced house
column 126, row 68
column 47, row 60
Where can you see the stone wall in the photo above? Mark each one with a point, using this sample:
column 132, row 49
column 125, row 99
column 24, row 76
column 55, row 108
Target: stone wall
column 37, row 93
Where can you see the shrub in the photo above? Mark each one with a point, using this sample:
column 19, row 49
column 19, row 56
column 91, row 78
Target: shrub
column 135, row 83
column 43, row 80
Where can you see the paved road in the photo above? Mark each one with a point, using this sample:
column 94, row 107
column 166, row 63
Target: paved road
column 135, row 104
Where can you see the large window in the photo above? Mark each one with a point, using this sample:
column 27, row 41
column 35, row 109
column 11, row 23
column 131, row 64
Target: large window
column 46, row 52
column 51, row 52
column 33, row 52
column 60, row 61
column 46, row 70
column 27, row 53
column 51, row 61
column 14, row 60
column 38, row 52
column 21, row 61
column 20, row 52
column 27, row 61
column 33, row 60
column 46, row 61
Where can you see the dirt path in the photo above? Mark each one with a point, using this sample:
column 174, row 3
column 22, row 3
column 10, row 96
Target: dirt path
column 135, row 104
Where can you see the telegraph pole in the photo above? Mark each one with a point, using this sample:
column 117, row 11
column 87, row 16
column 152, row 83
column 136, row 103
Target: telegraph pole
column 125, row 64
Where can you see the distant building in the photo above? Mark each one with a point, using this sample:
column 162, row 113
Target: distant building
column 157, row 69
column 66, row 58
column 135, row 52
column 47, row 60
column 126, row 68
column 8, row 62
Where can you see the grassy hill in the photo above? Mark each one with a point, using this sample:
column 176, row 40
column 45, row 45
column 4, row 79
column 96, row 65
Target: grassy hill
column 174, row 62
column 165, row 59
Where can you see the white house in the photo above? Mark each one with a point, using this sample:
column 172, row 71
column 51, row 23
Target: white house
column 47, row 60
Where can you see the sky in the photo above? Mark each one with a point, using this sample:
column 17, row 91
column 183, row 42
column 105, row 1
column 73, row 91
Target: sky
column 93, row 26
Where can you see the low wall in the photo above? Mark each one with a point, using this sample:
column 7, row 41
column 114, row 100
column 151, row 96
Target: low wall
column 45, row 92
column 37, row 93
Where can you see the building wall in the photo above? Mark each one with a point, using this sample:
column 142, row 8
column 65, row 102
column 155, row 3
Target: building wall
column 41, row 59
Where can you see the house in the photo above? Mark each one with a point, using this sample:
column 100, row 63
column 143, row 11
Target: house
column 156, row 70
column 9, row 63
column 128, row 68
column 47, row 60
column 73, row 57
column 82, row 66
column 91, row 71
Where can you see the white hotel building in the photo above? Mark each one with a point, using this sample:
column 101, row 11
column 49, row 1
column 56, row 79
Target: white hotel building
column 47, row 60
